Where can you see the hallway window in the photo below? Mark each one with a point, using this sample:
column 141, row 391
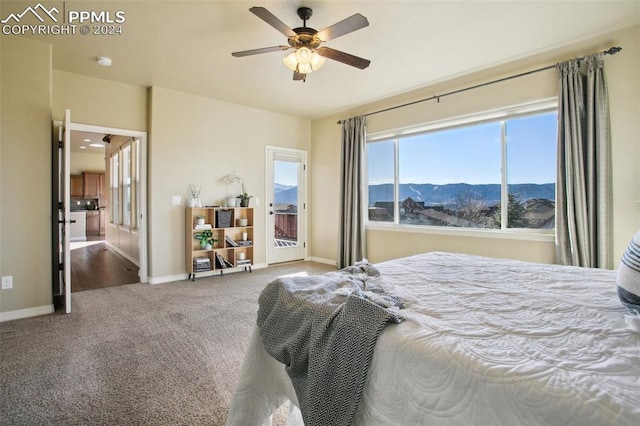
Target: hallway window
column 126, row 185
column 123, row 183
column 114, row 187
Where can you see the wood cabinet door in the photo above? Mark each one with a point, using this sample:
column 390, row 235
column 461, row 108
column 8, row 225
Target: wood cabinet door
column 77, row 186
column 102, row 189
column 91, row 182
column 93, row 223
column 103, row 218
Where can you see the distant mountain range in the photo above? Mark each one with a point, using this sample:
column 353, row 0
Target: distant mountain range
column 436, row 194
column 448, row 194
column 285, row 194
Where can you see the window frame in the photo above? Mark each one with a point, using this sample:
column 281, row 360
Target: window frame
column 119, row 191
column 500, row 114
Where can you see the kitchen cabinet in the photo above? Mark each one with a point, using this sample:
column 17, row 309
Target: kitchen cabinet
column 103, row 217
column 78, row 226
column 93, row 222
column 77, row 186
column 102, row 189
column 91, row 185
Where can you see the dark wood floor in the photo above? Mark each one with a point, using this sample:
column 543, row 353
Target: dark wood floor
column 97, row 266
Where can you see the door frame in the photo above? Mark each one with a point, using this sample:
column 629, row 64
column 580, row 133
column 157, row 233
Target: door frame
column 142, row 187
column 302, row 212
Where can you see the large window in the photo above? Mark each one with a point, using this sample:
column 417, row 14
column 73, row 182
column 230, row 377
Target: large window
column 487, row 172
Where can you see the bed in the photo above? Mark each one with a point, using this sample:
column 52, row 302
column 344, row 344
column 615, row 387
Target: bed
column 483, row 341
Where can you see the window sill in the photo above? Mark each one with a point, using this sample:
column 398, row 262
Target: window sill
column 506, row 234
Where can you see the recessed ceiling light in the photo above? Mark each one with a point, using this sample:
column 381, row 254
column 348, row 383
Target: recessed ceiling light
column 83, row 147
column 104, row 61
column 97, row 145
column 87, row 140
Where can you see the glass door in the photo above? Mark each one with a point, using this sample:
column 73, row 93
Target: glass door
column 286, row 204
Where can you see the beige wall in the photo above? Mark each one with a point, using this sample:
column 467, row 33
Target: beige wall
column 25, row 174
column 199, row 140
column 99, row 102
column 81, row 162
column 383, row 244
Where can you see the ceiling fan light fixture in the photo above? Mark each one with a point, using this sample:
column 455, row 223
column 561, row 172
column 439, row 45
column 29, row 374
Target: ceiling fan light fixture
column 303, row 55
column 305, row 42
column 304, row 61
column 290, row 61
column 317, row 61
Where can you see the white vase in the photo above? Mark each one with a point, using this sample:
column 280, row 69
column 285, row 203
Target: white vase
column 231, row 202
column 200, row 221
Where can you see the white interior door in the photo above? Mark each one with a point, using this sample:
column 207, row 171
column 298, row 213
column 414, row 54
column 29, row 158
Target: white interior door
column 286, row 204
column 65, row 183
column 61, row 217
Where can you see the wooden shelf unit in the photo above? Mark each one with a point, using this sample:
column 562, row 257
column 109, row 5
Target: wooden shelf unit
column 221, row 247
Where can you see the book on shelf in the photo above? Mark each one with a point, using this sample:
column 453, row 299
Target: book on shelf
column 230, row 241
column 222, row 262
column 244, row 243
column 203, row 226
column 201, row 264
column 243, row 262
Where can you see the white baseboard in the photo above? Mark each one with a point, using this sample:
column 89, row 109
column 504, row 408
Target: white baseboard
column 26, row 313
column 185, row 276
column 322, row 260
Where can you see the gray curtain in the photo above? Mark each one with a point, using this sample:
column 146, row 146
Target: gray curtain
column 583, row 190
column 351, row 244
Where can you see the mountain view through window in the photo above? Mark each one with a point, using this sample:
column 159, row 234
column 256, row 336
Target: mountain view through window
column 465, row 176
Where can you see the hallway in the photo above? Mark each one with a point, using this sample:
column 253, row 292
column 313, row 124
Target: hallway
column 94, row 265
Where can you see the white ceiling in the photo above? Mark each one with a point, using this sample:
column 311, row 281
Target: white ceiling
column 187, row 45
column 82, row 141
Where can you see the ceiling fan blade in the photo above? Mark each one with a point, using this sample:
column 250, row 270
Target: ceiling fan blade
column 258, row 51
column 272, row 20
column 346, row 26
column 299, row 76
column 343, row 57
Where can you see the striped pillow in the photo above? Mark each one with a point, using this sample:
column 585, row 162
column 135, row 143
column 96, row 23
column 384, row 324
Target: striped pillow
column 628, row 278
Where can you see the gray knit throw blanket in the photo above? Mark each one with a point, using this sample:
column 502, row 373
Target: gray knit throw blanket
column 323, row 328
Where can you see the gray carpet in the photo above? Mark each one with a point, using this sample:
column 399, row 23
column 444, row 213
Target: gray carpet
column 139, row 354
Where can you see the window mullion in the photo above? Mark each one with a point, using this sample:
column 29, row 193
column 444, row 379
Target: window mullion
column 396, row 182
column 504, row 188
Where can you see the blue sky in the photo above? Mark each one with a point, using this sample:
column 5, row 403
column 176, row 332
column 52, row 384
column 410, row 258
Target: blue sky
column 285, row 173
column 472, row 154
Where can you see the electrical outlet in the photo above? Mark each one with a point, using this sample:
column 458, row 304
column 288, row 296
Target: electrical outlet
column 7, row 282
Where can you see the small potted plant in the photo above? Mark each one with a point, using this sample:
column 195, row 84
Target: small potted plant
column 243, row 196
column 200, row 220
column 244, row 199
column 206, row 239
column 195, row 195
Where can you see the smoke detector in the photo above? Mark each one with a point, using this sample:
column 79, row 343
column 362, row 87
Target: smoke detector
column 104, row 61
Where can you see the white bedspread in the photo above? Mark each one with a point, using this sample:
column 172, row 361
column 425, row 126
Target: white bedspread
column 485, row 341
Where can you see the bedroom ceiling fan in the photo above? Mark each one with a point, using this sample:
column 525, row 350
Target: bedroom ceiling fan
column 307, row 55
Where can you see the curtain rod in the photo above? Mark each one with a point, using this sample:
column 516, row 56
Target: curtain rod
column 610, row 51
